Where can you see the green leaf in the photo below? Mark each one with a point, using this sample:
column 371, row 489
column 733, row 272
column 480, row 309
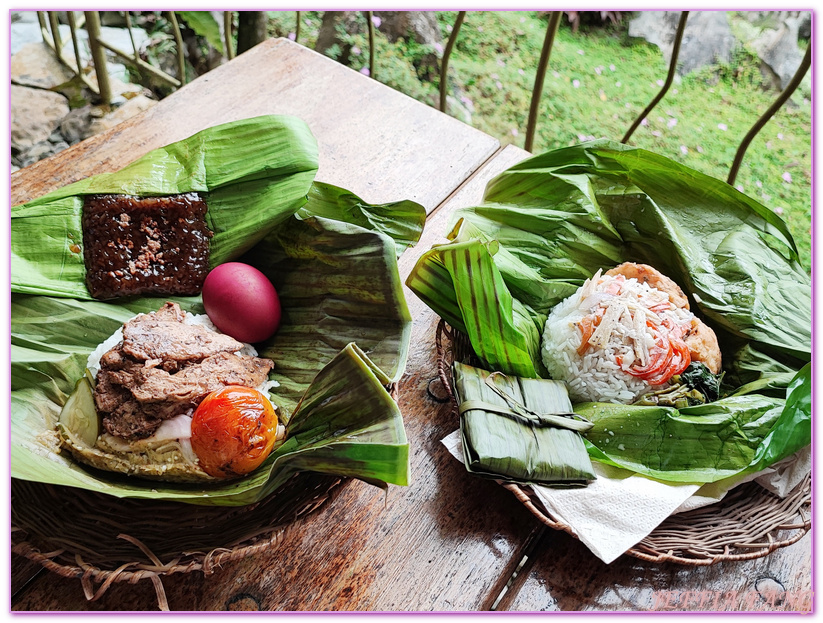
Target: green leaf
column 204, row 24
column 518, row 449
column 558, row 217
column 401, row 220
column 255, row 174
column 344, row 334
column 337, row 283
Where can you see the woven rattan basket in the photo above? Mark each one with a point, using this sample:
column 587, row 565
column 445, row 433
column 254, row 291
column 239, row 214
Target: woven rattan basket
column 748, row 523
column 101, row 539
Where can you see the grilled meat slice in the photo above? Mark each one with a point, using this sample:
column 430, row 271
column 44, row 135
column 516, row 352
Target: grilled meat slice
column 161, row 336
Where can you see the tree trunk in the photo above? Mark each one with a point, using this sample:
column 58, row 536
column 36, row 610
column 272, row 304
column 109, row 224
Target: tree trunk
column 251, row 29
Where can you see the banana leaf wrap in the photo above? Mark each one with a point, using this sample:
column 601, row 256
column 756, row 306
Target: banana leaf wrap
column 551, row 221
column 344, row 332
column 501, row 444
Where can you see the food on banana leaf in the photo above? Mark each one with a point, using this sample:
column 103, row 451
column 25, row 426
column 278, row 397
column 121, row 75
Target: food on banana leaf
column 623, row 334
column 553, row 220
column 145, row 245
column 233, row 431
column 160, row 384
column 241, row 302
column 520, row 430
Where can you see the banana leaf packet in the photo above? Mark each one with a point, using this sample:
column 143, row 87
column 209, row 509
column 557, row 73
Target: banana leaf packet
column 520, row 430
column 332, row 258
column 551, row 221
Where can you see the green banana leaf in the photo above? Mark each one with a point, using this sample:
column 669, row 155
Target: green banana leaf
column 551, row 221
column 254, row 174
column 514, row 446
column 343, row 338
column 401, row 220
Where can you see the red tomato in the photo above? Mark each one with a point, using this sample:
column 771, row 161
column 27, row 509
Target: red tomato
column 233, row 431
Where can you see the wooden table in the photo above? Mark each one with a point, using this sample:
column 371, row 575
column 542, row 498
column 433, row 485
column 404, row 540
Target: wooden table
column 449, row 541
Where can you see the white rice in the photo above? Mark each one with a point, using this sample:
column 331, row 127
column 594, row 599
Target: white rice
column 596, row 376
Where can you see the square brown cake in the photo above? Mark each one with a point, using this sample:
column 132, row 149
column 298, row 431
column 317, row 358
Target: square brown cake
column 145, row 245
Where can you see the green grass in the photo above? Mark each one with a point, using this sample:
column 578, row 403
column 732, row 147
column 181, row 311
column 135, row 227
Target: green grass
column 597, row 83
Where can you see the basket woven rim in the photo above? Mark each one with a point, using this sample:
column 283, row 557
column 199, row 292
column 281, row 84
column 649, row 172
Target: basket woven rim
column 729, row 530
column 71, row 560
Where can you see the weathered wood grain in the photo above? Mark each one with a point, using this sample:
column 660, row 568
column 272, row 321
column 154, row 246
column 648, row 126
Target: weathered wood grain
column 443, row 543
column 374, row 141
column 566, row 576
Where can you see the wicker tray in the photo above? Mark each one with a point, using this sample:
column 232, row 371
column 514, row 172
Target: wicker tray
column 748, row 523
column 101, row 539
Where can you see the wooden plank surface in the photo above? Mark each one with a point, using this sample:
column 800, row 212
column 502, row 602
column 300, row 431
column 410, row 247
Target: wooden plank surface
column 374, row 141
column 443, row 543
column 566, row 576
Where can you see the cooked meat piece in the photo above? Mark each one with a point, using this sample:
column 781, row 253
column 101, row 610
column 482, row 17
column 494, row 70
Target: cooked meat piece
column 194, row 382
column 132, row 422
column 153, row 337
column 140, row 384
column 145, row 245
column 646, row 274
column 702, row 343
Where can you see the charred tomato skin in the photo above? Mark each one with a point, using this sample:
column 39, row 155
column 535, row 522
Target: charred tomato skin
column 233, row 431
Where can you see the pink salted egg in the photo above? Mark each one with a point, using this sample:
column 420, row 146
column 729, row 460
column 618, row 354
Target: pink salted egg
column 241, row 302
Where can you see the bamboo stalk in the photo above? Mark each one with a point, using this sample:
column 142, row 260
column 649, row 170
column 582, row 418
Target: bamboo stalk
column 178, row 38
column 227, row 24
column 758, row 125
column 370, row 18
column 77, row 58
column 55, row 33
column 545, row 55
column 131, row 35
column 98, row 55
column 160, row 75
column 444, row 65
column 678, row 37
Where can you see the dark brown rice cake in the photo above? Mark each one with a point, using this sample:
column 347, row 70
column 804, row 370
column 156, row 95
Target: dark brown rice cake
column 145, row 245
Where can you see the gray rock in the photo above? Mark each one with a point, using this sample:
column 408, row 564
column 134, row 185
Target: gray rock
column 36, row 66
column 131, row 108
column 36, row 152
column 24, row 16
column 35, row 114
column 706, row 40
column 419, row 26
column 75, row 125
column 56, row 137
column 778, row 50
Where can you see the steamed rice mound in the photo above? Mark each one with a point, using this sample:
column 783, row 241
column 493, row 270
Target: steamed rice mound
column 623, row 337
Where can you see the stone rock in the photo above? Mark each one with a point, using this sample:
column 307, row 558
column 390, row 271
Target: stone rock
column 36, row 66
column 35, row 114
column 778, row 50
column 75, row 126
column 708, row 39
column 334, row 24
column 804, row 28
column 128, row 110
column 29, row 17
column 36, row 152
column 419, row 26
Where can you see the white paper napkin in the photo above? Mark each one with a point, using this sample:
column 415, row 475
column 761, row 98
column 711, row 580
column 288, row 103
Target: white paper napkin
column 621, row 508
